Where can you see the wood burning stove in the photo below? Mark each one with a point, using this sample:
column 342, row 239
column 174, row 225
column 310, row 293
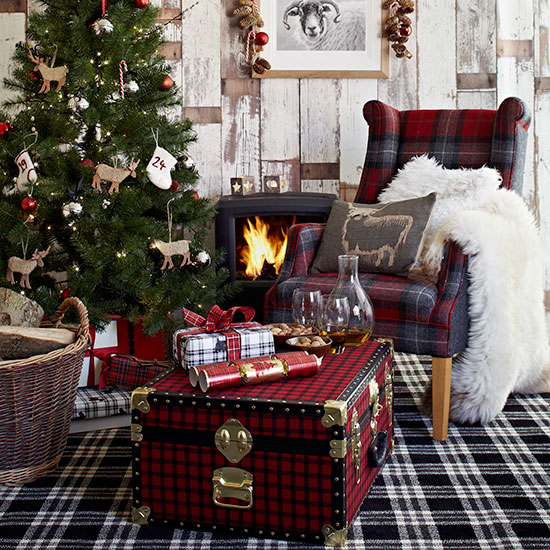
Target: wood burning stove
column 252, row 229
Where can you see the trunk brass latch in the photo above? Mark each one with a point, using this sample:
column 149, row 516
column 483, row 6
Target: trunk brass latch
column 232, row 482
column 233, row 440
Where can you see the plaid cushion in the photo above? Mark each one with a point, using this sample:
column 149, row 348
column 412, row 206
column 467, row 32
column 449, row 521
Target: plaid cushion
column 96, row 403
column 467, row 138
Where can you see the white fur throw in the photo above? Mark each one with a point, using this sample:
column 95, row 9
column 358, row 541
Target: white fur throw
column 508, row 349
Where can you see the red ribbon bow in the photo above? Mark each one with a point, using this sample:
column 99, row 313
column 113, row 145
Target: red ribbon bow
column 217, row 320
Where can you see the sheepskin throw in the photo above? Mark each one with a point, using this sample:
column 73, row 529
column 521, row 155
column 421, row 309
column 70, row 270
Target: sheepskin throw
column 387, row 238
column 508, row 349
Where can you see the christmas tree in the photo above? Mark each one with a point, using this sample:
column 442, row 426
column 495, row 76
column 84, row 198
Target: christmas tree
column 96, row 185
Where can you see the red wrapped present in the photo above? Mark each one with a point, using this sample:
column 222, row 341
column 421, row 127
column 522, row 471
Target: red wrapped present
column 217, row 338
column 128, row 371
column 133, row 341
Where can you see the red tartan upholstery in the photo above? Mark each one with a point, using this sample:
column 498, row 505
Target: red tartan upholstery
column 421, row 318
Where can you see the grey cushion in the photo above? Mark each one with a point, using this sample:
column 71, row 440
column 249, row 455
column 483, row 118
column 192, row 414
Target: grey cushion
column 388, row 238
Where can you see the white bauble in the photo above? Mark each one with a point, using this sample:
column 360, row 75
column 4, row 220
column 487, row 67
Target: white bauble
column 203, row 258
column 103, row 26
column 72, row 209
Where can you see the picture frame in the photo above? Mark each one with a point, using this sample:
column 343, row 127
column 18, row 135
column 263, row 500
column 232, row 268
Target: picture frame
column 356, row 50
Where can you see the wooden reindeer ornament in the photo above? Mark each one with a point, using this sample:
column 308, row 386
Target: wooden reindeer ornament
column 114, row 176
column 173, row 248
column 25, row 267
column 57, row 74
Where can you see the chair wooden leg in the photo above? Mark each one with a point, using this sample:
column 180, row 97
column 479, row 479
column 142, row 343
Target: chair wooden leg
column 441, row 395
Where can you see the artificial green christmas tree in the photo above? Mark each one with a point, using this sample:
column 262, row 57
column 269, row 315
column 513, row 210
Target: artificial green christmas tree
column 96, row 185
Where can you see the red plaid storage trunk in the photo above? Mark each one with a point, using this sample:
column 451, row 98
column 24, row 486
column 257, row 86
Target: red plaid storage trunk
column 290, row 460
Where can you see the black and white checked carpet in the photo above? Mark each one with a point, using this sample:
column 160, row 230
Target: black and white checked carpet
column 485, row 488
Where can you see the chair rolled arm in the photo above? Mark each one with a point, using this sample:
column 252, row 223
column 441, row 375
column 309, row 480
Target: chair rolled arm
column 452, row 280
column 303, row 242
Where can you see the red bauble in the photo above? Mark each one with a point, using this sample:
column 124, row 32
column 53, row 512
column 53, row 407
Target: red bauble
column 29, row 205
column 405, row 30
column 5, row 127
column 167, row 83
column 195, row 195
column 174, row 187
column 261, row 39
column 88, row 163
column 66, row 293
column 142, row 4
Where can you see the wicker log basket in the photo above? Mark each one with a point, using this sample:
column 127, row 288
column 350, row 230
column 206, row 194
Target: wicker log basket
column 37, row 397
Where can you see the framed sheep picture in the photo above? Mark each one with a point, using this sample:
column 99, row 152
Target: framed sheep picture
column 324, row 39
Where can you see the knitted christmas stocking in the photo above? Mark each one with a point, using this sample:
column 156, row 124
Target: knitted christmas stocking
column 158, row 169
column 27, row 173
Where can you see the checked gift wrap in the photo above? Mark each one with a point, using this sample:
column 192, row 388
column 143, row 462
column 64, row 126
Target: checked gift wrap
column 217, row 338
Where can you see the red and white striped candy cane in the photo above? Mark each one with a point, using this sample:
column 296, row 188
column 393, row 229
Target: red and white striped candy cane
column 251, row 35
column 122, row 68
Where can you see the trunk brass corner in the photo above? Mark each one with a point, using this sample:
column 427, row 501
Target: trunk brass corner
column 334, row 537
column 336, row 413
column 139, row 399
column 141, row 515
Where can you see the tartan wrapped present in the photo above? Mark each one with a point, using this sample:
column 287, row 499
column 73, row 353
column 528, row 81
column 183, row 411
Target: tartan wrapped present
column 128, row 371
column 217, row 338
column 96, row 403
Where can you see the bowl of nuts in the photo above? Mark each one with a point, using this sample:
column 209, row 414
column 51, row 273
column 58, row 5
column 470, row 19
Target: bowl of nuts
column 283, row 331
column 317, row 345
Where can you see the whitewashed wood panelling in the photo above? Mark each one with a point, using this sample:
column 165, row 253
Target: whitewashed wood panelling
column 466, row 54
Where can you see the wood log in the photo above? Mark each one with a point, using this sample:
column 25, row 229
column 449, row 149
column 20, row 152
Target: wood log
column 23, row 342
column 19, row 311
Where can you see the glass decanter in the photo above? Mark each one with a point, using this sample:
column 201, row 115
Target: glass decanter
column 361, row 318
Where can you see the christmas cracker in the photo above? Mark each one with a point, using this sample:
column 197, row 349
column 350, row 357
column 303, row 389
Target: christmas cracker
column 258, row 371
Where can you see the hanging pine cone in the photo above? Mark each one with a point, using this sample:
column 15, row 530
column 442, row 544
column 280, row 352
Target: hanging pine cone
column 248, row 21
column 261, row 65
column 406, row 6
column 242, row 11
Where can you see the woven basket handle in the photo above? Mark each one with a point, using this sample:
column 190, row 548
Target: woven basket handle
column 82, row 312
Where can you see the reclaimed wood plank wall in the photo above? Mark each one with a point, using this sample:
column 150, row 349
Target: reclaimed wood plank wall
column 466, row 54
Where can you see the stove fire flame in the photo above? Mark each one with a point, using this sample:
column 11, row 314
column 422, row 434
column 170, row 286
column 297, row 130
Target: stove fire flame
column 262, row 247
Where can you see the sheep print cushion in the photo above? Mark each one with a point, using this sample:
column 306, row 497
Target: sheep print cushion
column 388, row 238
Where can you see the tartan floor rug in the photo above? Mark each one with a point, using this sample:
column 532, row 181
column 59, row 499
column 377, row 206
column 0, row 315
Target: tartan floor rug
column 486, row 487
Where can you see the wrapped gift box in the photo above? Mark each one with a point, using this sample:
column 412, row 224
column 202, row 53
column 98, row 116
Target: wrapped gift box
column 129, row 372
column 217, row 338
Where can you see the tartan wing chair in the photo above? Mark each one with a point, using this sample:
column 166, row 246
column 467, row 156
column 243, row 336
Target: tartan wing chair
column 421, row 318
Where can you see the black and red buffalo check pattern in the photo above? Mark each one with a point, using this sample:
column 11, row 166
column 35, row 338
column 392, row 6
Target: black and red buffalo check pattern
column 486, row 487
column 298, row 486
